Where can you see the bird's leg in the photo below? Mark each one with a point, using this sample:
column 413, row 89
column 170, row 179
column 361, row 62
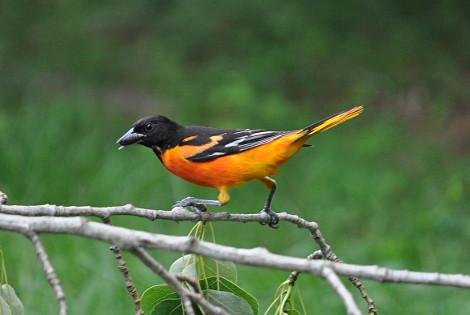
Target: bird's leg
column 274, row 217
column 199, row 205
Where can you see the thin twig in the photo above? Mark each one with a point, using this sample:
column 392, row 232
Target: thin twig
column 191, row 281
column 52, row 276
column 315, row 255
column 337, row 285
column 354, row 280
column 362, row 289
column 327, row 253
column 340, row 289
column 172, row 280
column 176, row 214
column 127, row 278
column 125, row 273
column 3, row 198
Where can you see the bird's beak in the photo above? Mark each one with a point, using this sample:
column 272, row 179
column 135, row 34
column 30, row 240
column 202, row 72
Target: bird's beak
column 130, row 137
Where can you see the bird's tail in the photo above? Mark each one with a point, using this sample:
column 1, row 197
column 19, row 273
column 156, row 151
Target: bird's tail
column 329, row 122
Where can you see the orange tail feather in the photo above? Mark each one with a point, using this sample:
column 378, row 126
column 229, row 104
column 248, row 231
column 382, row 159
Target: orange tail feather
column 329, row 122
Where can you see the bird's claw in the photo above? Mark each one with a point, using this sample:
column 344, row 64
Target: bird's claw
column 273, row 218
column 186, row 202
column 198, row 208
column 198, row 212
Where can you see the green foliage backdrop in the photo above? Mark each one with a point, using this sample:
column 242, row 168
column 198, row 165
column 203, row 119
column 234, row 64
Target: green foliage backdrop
column 389, row 187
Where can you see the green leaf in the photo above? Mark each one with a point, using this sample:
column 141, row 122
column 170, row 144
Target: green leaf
column 156, row 295
column 169, row 306
column 173, row 307
column 218, row 268
column 185, row 265
column 230, row 302
column 12, row 303
column 162, row 300
column 222, row 284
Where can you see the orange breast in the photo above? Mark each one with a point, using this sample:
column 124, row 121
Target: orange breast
column 234, row 169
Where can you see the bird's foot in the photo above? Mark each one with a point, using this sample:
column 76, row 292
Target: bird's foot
column 273, row 218
column 189, row 202
column 198, row 205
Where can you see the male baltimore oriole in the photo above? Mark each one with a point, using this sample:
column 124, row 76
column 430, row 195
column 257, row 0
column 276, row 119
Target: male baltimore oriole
column 224, row 158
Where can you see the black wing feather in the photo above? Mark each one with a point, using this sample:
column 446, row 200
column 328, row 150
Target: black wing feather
column 233, row 141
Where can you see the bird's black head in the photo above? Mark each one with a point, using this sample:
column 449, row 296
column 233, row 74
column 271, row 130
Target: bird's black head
column 151, row 131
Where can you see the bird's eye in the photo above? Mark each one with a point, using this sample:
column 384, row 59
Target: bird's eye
column 149, row 127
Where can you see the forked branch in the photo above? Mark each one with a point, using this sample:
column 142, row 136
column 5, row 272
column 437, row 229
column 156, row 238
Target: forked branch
column 31, row 220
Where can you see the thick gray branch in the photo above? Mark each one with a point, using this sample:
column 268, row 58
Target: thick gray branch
column 131, row 239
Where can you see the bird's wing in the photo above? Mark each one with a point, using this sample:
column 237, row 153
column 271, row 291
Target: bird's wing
column 211, row 143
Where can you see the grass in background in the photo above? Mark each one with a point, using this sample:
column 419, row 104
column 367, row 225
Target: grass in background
column 76, row 75
column 379, row 195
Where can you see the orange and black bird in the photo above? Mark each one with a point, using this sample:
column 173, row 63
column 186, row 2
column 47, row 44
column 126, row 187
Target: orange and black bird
column 224, row 158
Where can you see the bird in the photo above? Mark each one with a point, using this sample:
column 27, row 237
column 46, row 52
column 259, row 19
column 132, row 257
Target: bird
column 224, row 158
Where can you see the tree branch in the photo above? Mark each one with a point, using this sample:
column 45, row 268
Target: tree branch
column 130, row 239
column 3, row 198
column 52, row 277
column 176, row 214
column 173, row 281
column 32, row 219
column 122, row 266
column 340, row 289
column 354, row 280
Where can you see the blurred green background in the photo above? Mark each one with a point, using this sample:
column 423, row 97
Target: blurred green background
column 389, row 187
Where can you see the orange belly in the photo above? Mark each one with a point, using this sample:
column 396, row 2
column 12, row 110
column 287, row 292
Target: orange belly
column 235, row 169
